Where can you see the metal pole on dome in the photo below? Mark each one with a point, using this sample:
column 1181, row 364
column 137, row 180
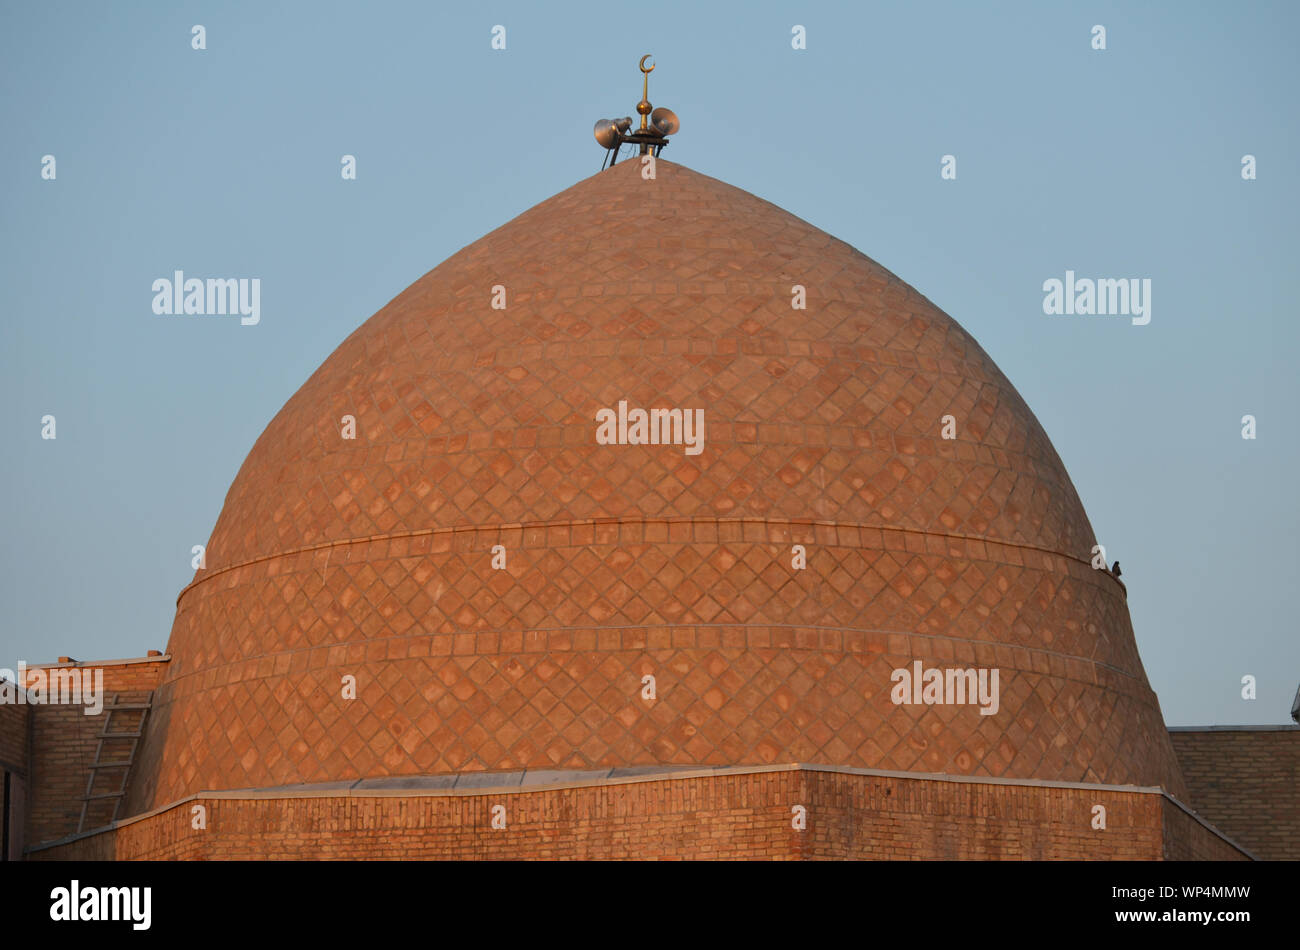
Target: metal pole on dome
column 651, row 137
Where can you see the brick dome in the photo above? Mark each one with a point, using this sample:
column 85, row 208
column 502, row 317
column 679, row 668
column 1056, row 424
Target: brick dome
column 476, row 427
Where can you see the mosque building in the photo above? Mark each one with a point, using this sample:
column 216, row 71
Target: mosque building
column 656, row 523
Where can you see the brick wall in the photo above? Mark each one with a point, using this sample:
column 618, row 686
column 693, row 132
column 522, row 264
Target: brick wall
column 14, row 721
column 1246, row 782
column 886, row 818
column 731, row 815
column 64, row 740
column 1186, row 839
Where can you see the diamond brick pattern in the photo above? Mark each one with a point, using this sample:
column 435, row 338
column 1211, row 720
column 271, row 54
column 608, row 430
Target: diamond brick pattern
column 476, row 427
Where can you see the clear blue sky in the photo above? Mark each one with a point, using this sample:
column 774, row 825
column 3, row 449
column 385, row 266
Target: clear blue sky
column 225, row 162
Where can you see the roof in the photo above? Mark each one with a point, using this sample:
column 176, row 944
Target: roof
column 477, row 426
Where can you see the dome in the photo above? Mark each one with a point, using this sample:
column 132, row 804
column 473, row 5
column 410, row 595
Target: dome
column 476, row 439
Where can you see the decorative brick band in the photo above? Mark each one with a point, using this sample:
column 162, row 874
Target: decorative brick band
column 674, row 530
column 623, row 638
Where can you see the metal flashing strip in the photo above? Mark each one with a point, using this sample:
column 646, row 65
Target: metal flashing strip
column 1286, row 727
column 161, row 658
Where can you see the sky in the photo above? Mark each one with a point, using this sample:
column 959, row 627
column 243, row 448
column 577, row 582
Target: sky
column 1122, row 162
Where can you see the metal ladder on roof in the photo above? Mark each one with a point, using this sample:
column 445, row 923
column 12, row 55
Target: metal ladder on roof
column 119, row 758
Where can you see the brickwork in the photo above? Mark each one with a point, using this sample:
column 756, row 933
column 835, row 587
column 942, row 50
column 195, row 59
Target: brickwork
column 14, row 724
column 725, row 816
column 475, row 427
column 64, row 740
column 889, row 819
column 1187, row 839
column 1246, row 782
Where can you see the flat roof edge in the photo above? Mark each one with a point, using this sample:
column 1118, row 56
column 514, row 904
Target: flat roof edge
column 90, row 664
column 1286, row 727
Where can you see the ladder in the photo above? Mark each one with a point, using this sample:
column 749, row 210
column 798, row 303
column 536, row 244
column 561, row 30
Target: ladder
column 115, row 752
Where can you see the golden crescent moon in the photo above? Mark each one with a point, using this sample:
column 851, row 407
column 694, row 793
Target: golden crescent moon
column 643, row 59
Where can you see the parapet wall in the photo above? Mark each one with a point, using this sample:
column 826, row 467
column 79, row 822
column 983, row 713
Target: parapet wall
column 734, row 813
column 64, row 740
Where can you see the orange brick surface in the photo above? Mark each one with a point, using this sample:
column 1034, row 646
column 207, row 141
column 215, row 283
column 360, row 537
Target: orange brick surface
column 476, row 427
column 723, row 817
column 64, row 741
